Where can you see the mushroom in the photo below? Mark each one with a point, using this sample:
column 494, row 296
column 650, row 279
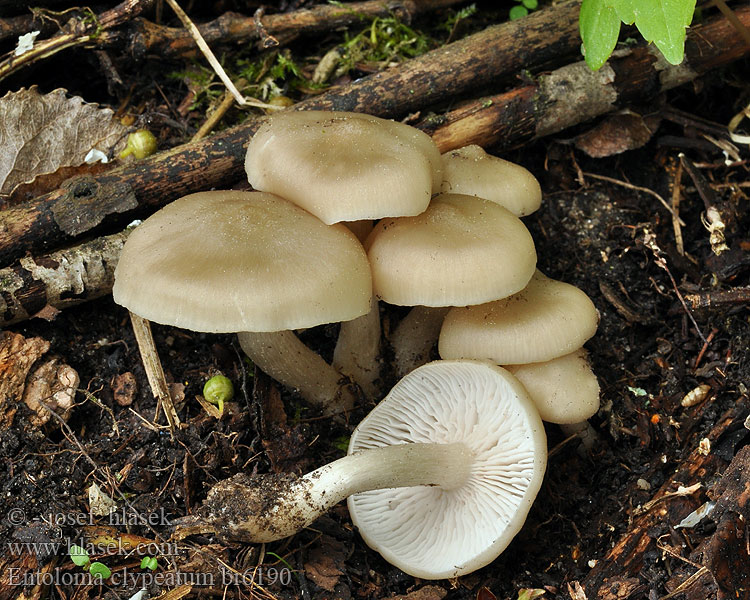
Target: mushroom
column 470, row 170
column 344, row 166
column 229, row 261
column 440, row 476
column 547, row 319
column 564, row 389
column 462, row 250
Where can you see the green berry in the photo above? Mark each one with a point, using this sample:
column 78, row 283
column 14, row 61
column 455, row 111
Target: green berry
column 218, row 390
column 141, row 144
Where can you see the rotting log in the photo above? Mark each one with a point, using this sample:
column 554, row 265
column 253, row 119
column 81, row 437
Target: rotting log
column 622, row 564
column 555, row 101
column 82, row 204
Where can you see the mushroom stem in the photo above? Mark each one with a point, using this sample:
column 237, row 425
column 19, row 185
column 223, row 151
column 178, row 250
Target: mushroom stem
column 585, row 432
column 357, row 352
column 279, row 508
column 286, row 359
column 415, row 337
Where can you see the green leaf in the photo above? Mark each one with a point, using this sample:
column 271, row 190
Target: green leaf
column 600, row 27
column 663, row 22
column 98, row 569
column 79, row 556
column 517, row 12
column 530, row 4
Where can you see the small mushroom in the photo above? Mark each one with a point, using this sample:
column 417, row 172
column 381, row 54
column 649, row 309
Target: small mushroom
column 440, row 476
column 564, row 389
column 229, row 261
column 470, row 170
column 462, row 250
column 344, row 166
column 545, row 320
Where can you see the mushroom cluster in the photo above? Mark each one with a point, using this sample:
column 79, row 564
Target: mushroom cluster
column 303, row 250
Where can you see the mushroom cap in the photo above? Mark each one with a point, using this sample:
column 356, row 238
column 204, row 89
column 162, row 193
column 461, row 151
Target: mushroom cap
column 564, row 389
column 227, row 261
column 470, row 170
column 545, row 320
column 462, row 250
column 344, row 166
column 431, row 532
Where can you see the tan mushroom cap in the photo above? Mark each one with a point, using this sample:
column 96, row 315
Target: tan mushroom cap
column 344, row 166
column 462, row 250
column 564, row 389
column 470, row 170
column 227, row 261
column 547, row 319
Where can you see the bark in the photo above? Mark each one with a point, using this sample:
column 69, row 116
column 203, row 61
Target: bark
column 146, row 37
column 626, row 559
column 89, row 204
column 574, row 94
column 59, row 279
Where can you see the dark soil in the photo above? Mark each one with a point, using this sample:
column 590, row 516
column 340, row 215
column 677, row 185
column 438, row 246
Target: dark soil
column 648, row 354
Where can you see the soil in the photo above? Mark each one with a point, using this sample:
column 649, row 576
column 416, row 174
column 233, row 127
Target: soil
column 650, row 353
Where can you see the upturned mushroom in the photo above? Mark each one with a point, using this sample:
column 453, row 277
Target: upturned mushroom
column 470, row 170
column 228, row 261
column 440, row 476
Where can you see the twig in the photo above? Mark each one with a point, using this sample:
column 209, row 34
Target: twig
column 637, row 188
column 719, row 298
column 217, row 114
column 676, row 187
column 213, row 61
column 154, row 371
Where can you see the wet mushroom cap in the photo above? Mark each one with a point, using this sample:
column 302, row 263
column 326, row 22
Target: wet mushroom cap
column 344, row 166
column 433, row 532
column 564, row 389
column 470, row 170
column 228, row 261
column 547, row 319
column 462, row 250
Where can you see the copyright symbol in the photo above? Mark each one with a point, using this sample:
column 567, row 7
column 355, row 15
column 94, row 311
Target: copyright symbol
column 16, row 516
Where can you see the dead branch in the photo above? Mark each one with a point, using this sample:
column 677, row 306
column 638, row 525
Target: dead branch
column 625, row 560
column 146, row 37
column 82, row 205
column 574, row 94
column 82, row 29
column 59, row 280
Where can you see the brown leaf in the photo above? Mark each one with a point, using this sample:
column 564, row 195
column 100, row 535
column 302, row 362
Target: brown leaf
column 616, row 134
column 428, row 592
column 124, row 388
column 52, row 386
column 41, row 133
column 17, row 355
column 325, row 563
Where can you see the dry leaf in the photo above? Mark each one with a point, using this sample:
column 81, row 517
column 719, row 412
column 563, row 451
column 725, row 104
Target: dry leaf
column 428, row 592
column 17, row 355
column 41, row 133
column 616, row 134
column 325, row 563
column 51, row 386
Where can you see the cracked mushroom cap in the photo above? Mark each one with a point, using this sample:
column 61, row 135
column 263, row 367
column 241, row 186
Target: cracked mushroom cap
column 437, row 533
column 547, row 319
column 564, row 389
column 470, row 170
column 228, row 261
column 344, row 166
column 462, row 250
